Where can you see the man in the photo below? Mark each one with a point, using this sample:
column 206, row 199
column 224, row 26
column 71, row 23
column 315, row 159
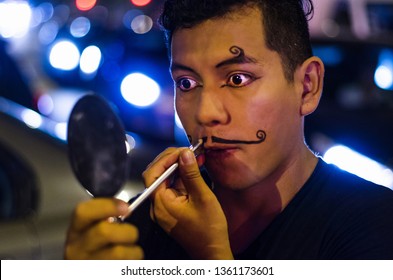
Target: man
column 245, row 78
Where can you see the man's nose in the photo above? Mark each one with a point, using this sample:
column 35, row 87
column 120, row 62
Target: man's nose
column 211, row 108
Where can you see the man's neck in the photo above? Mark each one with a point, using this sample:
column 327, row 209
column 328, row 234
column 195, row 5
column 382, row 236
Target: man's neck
column 249, row 211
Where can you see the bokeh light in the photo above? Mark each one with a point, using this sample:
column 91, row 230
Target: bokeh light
column 42, row 13
column 61, row 130
column 31, row 118
column 48, row 32
column 139, row 90
column 140, row 3
column 45, row 104
column 141, row 24
column 360, row 165
column 129, row 17
column 383, row 76
column 80, row 27
column 90, row 59
column 64, row 55
column 14, row 18
column 85, row 5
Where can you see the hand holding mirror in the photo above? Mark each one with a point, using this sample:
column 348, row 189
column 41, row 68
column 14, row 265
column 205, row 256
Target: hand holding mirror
column 97, row 150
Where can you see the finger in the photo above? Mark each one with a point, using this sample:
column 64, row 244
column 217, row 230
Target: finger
column 191, row 176
column 91, row 211
column 105, row 233
column 99, row 236
column 165, row 207
column 159, row 166
column 178, row 184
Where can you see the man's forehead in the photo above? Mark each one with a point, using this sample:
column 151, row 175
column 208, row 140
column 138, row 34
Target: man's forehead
column 235, row 39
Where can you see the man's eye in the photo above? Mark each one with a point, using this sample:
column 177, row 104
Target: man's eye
column 186, row 84
column 239, row 80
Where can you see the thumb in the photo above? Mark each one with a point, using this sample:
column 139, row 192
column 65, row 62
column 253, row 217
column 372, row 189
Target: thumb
column 191, row 176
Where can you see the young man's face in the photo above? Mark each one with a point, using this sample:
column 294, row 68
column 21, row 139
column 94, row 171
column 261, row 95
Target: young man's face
column 231, row 90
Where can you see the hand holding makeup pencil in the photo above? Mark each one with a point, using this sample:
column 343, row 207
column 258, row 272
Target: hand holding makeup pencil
column 187, row 209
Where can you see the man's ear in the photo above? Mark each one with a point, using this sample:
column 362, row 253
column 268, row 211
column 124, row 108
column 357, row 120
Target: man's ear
column 311, row 73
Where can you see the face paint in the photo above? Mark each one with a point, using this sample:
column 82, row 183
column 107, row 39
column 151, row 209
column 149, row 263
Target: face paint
column 261, row 136
column 240, row 56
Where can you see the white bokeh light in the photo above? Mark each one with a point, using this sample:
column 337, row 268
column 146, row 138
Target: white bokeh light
column 31, row 118
column 15, row 18
column 360, row 165
column 141, row 24
column 139, row 90
column 61, row 130
column 90, row 59
column 64, row 55
column 384, row 77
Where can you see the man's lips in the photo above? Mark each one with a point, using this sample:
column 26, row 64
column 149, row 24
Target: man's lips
column 219, row 147
column 215, row 150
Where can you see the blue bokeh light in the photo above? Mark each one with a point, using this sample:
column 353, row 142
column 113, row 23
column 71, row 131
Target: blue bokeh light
column 80, row 27
column 383, row 76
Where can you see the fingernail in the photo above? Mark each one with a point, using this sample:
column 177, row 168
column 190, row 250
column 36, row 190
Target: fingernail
column 187, row 157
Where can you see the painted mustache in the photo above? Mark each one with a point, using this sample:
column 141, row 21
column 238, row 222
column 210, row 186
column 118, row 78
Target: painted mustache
column 260, row 135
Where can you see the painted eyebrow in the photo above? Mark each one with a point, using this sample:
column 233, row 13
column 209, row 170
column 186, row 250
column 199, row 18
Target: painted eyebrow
column 233, row 60
column 241, row 59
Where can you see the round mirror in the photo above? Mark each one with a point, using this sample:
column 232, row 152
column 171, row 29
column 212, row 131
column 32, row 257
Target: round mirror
column 97, row 146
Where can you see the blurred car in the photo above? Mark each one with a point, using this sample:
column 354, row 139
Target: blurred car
column 38, row 190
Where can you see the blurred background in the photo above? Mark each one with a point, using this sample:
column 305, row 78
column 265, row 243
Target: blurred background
column 54, row 52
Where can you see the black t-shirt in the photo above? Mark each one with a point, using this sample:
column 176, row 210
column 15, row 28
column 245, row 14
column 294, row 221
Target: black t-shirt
column 335, row 215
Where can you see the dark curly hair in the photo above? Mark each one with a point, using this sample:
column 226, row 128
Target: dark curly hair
column 285, row 23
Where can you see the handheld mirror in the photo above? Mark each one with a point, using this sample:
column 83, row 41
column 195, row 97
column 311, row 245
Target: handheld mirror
column 97, row 150
column 97, row 146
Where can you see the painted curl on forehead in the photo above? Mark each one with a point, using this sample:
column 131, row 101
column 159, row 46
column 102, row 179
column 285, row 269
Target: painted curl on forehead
column 236, row 51
column 240, row 54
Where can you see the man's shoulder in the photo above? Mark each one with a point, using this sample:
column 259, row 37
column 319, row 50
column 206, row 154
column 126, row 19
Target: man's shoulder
column 333, row 192
column 339, row 182
column 341, row 216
